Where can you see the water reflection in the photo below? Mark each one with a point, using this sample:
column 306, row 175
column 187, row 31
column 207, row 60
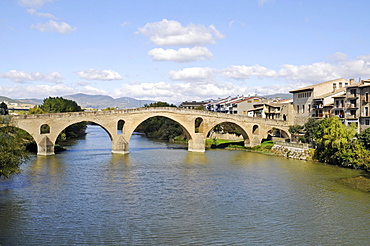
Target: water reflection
column 168, row 196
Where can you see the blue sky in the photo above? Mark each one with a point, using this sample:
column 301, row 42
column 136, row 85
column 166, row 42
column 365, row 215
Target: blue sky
column 179, row 50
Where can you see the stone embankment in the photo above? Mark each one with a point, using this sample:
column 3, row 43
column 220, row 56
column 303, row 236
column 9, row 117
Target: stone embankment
column 292, row 150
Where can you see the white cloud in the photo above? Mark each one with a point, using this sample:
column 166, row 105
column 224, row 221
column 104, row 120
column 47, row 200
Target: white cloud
column 96, row 74
column 33, row 3
column 245, row 72
column 181, row 55
column 170, row 32
column 36, row 91
column 82, row 83
column 194, row 74
column 23, row 77
column 54, row 26
column 45, row 15
column 93, row 91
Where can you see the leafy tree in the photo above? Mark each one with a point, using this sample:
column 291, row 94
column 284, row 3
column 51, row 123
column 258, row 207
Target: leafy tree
column 3, row 109
column 227, row 127
column 59, row 105
column 159, row 104
column 12, row 149
column 295, row 129
column 364, row 138
column 36, row 110
column 311, row 128
column 334, row 140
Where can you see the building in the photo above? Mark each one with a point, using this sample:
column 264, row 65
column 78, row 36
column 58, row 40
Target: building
column 233, row 105
column 317, row 100
column 192, row 105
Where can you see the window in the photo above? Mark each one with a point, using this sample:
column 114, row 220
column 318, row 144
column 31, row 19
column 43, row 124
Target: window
column 309, row 108
column 366, row 96
column 297, row 109
column 366, row 111
column 340, row 84
column 353, row 112
column 367, row 122
column 302, row 109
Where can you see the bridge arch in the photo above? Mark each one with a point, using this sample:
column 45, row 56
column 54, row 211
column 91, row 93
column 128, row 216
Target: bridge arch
column 133, row 125
column 243, row 131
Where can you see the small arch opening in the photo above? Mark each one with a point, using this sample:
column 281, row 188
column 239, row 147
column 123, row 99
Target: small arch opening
column 255, row 130
column 120, row 125
column 45, row 129
column 198, row 125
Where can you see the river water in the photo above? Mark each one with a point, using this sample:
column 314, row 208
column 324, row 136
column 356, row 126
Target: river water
column 160, row 194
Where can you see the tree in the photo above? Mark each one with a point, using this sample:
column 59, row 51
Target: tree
column 59, row 105
column 36, row 110
column 3, row 109
column 364, row 138
column 12, row 149
column 311, row 129
column 334, row 140
column 159, row 104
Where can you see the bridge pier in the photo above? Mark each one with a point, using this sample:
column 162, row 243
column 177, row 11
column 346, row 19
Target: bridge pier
column 197, row 143
column 45, row 147
column 120, row 146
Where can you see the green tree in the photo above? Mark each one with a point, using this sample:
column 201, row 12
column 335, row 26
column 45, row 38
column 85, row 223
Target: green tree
column 310, row 130
column 159, row 104
column 364, row 138
column 36, row 110
column 3, row 109
column 59, row 105
column 333, row 140
column 12, row 149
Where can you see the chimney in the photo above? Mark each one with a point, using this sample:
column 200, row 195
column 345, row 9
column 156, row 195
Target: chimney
column 351, row 81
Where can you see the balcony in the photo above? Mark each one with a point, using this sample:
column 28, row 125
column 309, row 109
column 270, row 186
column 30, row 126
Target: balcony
column 351, row 105
column 353, row 96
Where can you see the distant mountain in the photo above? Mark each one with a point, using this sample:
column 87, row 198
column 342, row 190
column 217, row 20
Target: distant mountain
column 21, row 101
column 101, row 101
column 282, row 96
column 89, row 101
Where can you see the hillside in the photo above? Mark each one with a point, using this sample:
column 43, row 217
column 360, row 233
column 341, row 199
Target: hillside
column 101, row 101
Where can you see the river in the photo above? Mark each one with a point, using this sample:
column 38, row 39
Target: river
column 161, row 194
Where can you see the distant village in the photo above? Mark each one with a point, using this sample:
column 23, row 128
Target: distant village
column 342, row 98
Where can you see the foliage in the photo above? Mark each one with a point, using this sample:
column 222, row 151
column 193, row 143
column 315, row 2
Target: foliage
column 295, row 129
column 310, row 128
column 161, row 128
column 227, row 127
column 159, row 104
column 264, row 146
column 336, row 144
column 109, row 108
column 59, row 105
column 3, row 109
column 12, row 149
column 364, row 138
column 36, row 110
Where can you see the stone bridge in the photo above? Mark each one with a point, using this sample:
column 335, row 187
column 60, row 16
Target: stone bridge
column 120, row 124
